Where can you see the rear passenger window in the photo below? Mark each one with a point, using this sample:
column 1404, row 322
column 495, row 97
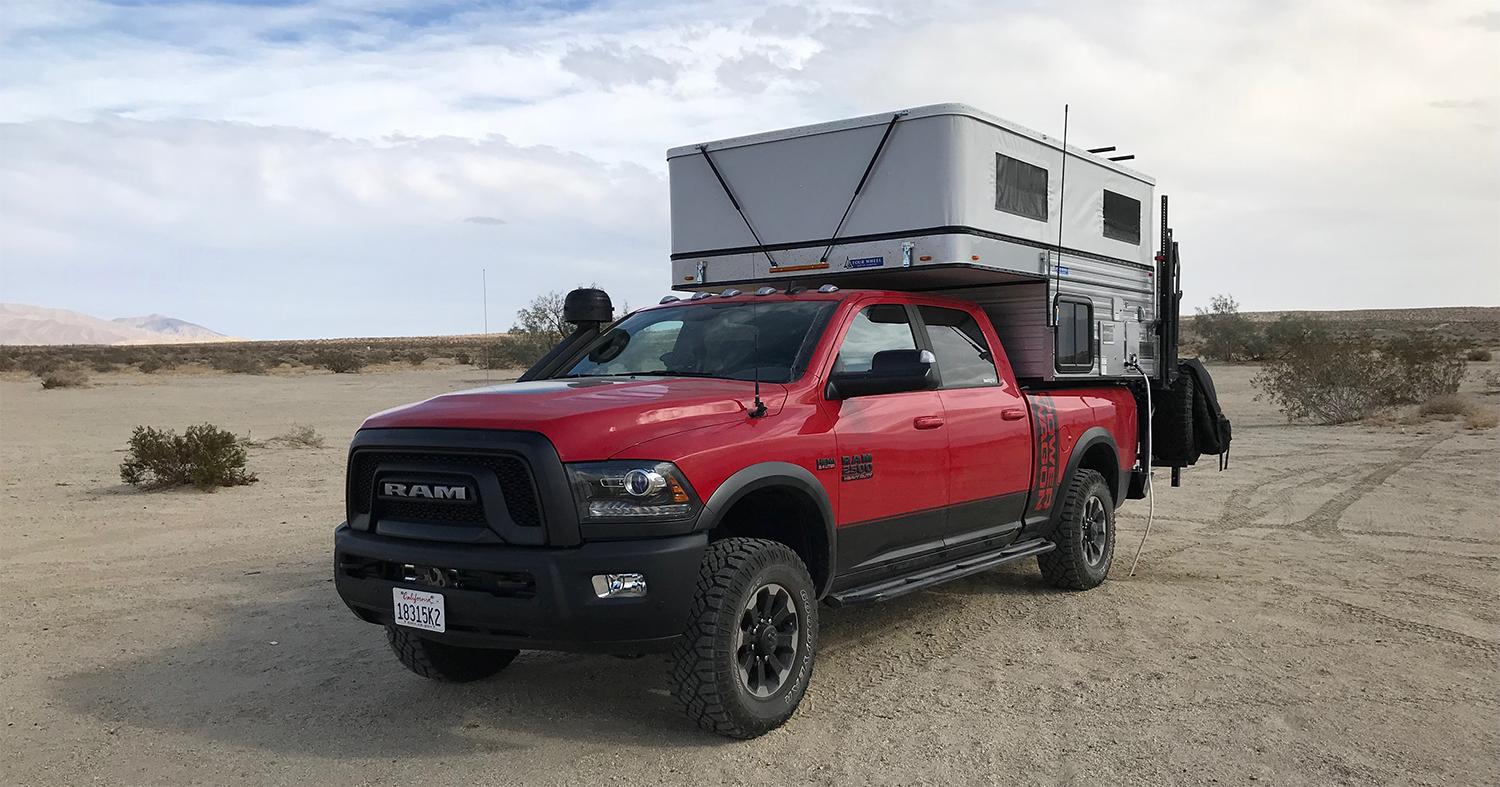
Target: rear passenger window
column 1075, row 336
column 963, row 356
column 875, row 328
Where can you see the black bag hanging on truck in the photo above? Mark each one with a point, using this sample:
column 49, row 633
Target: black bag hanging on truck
column 1211, row 429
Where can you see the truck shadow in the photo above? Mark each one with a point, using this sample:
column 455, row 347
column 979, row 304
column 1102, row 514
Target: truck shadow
column 293, row 672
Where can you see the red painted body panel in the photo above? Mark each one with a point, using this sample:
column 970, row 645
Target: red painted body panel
column 702, row 425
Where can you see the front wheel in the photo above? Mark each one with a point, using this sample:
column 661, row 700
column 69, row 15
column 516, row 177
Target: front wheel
column 1085, row 535
column 744, row 662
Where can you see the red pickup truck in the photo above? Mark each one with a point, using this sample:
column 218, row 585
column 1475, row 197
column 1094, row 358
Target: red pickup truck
column 698, row 477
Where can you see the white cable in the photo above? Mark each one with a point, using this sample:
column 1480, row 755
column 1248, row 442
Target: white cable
column 1150, row 491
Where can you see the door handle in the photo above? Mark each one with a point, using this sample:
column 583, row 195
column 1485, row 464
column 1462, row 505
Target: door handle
column 927, row 422
column 1012, row 414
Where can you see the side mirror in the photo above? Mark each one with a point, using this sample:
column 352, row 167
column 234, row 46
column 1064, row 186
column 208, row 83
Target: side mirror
column 891, row 371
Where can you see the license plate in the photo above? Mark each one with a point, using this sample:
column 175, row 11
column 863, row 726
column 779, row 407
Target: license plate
column 419, row 610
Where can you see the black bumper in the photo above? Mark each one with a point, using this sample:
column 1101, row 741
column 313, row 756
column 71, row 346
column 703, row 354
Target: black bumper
column 559, row 610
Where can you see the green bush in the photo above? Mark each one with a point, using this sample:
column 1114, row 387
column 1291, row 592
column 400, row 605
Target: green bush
column 152, row 364
column 1422, row 365
column 1226, row 334
column 204, row 456
column 341, row 361
column 240, row 363
column 1331, row 378
column 65, row 377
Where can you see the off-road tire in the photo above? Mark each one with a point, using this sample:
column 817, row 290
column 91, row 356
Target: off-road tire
column 1172, row 436
column 1072, row 565
column 706, row 675
column 443, row 662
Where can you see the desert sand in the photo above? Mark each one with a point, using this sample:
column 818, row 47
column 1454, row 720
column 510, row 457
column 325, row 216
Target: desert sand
column 1323, row 613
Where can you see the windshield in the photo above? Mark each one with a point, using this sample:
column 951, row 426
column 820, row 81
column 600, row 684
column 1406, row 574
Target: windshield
column 728, row 340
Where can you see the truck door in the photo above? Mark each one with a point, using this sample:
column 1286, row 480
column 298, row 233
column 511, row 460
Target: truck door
column 893, row 450
column 989, row 434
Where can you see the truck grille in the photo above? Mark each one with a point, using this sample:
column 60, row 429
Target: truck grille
column 511, row 471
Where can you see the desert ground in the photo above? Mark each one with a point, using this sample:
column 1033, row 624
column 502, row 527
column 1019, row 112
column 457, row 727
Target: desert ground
column 1325, row 612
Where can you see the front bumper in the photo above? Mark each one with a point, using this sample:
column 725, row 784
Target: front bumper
column 544, row 599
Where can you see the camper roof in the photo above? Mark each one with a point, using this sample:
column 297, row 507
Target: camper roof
column 929, row 110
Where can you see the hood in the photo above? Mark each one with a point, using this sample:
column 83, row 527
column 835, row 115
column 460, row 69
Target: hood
column 588, row 418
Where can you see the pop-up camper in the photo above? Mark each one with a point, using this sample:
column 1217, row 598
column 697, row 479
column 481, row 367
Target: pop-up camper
column 1055, row 244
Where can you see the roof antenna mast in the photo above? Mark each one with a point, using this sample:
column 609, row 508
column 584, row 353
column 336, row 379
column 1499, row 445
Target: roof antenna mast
column 1062, row 191
column 759, row 409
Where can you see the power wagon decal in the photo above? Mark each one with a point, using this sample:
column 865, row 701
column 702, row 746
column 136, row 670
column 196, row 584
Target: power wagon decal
column 1048, row 474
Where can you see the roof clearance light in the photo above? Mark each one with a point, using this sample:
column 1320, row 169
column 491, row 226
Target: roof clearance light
column 765, row 291
column 730, row 293
column 669, row 299
column 827, row 288
column 698, row 296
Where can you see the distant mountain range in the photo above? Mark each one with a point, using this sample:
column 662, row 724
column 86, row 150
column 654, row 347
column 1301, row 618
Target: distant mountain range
column 22, row 324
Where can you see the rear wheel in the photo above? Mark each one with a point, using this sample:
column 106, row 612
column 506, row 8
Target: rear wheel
column 1085, row 535
column 744, row 663
column 449, row 663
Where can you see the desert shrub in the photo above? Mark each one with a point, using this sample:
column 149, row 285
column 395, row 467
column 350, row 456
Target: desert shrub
column 1289, row 331
column 239, row 363
column 8, row 362
column 152, row 364
column 1226, row 334
column 40, row 364
column 1491, row 379
column 378, row 356
column 65, row 377
column 1422, row 365
column 204, row 456
column 103, row 365
column 1446, row 404
column 299, row 436
column 416, row 357
column 1482, row 419
column 1478, row 355
column 341, row 361
column 462, row 358
column 1330, row 378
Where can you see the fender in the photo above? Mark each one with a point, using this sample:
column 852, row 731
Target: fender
column 1040, row 521
column 770, row 474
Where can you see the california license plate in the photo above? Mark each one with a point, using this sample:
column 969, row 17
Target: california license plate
column 419, row 610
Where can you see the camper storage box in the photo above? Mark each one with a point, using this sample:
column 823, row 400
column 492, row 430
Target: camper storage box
column 958, row 202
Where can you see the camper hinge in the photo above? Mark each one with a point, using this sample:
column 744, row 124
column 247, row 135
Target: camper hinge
column 906, row 248
column 702, row 271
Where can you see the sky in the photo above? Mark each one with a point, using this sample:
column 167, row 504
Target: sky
column 319, row 168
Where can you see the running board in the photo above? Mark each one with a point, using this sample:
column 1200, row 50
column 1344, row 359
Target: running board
column 891, row 588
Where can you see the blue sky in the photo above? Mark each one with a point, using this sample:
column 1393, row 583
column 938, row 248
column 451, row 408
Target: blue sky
column 347, row 167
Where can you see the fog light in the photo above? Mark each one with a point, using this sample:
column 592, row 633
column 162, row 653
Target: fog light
column 619, row 585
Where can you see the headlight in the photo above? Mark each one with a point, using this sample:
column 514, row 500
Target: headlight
column 631, row 491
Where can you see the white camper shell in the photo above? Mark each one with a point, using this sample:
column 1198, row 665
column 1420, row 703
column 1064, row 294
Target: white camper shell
column 957, row 201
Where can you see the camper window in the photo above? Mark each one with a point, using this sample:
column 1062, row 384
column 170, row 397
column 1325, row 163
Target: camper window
column 1075, row 335
column 1020, row 188
column 1122, row 217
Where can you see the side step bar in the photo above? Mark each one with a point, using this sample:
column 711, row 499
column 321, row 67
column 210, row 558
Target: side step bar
column 891, row 588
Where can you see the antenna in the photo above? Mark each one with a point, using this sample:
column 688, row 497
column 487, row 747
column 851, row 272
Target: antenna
column 484, row 298
column 1062, row 192
column 759, row 410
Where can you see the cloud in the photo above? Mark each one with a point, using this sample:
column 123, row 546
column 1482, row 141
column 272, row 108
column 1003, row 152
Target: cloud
column 613, row 66
column 490, row 221
column 300, row 166
column 292, row 232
